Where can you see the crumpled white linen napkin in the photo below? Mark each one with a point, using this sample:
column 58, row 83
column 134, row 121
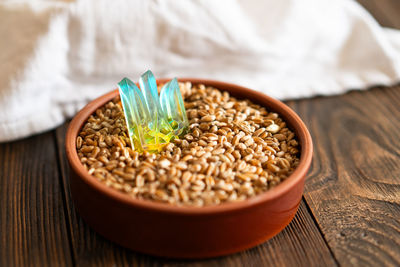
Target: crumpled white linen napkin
column 57, row 55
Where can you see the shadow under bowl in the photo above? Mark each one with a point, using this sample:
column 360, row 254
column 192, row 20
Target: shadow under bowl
column 186, row 232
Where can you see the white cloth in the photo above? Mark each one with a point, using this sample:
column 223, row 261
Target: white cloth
column 57, row 55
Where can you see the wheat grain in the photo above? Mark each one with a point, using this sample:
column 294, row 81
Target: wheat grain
column 235, row 149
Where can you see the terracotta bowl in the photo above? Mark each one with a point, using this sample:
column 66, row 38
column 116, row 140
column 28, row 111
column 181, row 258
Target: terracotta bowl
column 186, row 232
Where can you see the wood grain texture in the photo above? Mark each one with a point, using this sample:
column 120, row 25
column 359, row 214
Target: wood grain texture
column 32, row 219
column 350, row 216
column 301, row 240
column 353, row 188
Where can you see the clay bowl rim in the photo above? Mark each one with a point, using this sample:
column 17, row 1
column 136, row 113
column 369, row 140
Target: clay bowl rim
column 275, row 105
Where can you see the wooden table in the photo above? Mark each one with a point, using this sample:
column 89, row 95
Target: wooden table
column 349, row 215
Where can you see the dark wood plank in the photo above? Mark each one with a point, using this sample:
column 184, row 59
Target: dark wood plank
column 386, row 12
column 300, row 244
column 32, row 220
column 353, row 188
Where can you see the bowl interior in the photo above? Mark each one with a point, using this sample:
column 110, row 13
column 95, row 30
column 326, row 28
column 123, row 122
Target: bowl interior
column 289, row 116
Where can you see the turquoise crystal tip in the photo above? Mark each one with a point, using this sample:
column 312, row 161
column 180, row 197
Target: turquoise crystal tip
column 152, row 120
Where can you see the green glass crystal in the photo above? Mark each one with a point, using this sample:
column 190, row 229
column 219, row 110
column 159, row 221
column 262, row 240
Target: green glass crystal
column 173, row 107
column 152, row 120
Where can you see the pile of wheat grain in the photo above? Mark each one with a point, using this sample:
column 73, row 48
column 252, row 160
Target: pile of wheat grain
column 234, row 150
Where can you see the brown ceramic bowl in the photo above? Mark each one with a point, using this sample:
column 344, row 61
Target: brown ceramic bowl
column 186, row 232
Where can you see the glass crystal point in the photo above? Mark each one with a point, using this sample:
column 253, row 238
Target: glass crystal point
column 173, row 107
column 152, row 120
